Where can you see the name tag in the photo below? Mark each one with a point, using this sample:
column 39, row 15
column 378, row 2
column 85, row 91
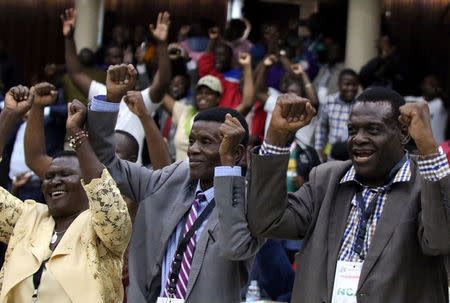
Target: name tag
column 169, row 300
column 346, row 282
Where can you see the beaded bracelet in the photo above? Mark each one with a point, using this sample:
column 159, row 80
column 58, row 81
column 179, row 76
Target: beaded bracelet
column 76, row 140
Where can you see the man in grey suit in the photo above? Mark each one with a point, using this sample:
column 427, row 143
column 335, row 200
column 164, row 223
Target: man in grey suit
column 376, row 228
column 164, row 261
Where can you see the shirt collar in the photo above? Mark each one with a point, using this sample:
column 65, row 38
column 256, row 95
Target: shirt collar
column 402, row 175
column 209, row 194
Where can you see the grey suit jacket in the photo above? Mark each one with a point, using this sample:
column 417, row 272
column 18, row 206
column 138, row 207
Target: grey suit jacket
column 404, row 261
column 165, row 196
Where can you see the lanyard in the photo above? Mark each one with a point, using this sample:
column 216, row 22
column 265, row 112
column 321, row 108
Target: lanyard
column 37, row 280
column 176, row 264
column 367, row 212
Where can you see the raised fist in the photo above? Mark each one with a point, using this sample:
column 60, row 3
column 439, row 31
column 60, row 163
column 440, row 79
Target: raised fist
column 290, row 114
column 76, row 116
column 231, row 134
column 245, row 59
column 416, row 116
column 119, row 80
column 19, row 100
column 213, row 33
column 270, row 60
column 297, row 69
column 161, row 31
column 44, row 94
column 69, row 19
column 135, row 103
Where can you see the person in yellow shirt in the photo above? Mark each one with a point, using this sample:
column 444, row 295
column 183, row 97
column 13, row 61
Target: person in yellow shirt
column 71, row 249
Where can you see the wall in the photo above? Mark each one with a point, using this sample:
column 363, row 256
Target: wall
column 31, row 29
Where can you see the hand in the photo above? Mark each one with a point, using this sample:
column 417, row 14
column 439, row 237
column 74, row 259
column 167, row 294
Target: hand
column 245, row 59
column 19, row 99
column 290, row 114
column 76, row 116
column 135, row 103
column 184, row 30
column 69, row 19
column 44, row 94
column 22, row 179
column 297, row 69
column 119, row 80
column 161, row 31
column 231, row 134
column 213, row 33
column 270, row 60
column 416, row 116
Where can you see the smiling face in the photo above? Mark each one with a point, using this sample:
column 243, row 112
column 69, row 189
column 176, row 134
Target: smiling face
column 348, row 87
column 206, row 98
column 179, row 87
column 203, row 151
column 375, row 141
column 62, row 188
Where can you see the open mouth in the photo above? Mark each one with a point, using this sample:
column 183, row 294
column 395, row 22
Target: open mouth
column 57, row 194
column 362, row 156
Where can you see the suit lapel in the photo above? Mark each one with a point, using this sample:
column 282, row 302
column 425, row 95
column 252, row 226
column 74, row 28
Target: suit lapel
column 386, row 225
column 338, row 220
column 200, row 250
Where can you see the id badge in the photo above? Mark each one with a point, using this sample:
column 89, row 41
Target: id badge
column 169, row 300
column 346, row 282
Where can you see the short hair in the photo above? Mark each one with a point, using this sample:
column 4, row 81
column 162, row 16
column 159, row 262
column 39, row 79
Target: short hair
column 133, row 145
column 383, row 94
column 347, row 72
column 218, row 114
column 65, row 153
column 227, row 48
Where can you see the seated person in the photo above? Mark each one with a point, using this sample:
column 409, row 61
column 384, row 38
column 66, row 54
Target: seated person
column 77, row 240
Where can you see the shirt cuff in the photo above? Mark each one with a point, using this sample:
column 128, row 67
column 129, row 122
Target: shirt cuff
column 269, row 149
column 224, row 171
column 436, row 168
column 99, row 104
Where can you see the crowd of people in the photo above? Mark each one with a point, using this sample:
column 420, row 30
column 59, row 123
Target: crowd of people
column 179, row 171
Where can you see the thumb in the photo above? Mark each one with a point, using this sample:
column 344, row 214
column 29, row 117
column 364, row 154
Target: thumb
column 69, row 109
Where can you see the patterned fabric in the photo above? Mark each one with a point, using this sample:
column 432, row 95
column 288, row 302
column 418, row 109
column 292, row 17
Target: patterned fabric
column 435, row 168
column 432, row 169
column 270, row 149
column 183, row 276
column 348, row 242
column 96, row 239
column 333, row 121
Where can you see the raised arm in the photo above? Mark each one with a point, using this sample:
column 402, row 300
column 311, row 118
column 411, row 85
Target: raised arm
column 214, row 39
column 236, row 241
column 18, row 101
column 157, row 148
column 434, row 218
column 160, row 32
column 310, row 91
column 248, row 91
column 35, row 152
column 271, row 212
column 133, row 180
column 261, row 78
column 81, row 80
column 168, row 103
column 110, row 218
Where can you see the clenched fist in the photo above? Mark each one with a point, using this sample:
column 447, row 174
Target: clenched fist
column 18, row 100
column 231, row 134
column 44, row 94
column 119, row 79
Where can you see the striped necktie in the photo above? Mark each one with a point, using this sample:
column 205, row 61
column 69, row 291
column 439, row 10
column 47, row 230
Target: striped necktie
column 189, row 253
